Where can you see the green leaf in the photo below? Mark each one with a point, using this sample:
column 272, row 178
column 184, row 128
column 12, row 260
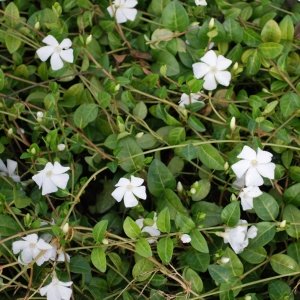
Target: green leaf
column 219, row 274
column 266, row 207
column 233, row 29
column 231, row 213
column 254, row 255
column 99, row 230
column 198, row 242
column 253, row 63
column 73, row 95
column 280, row 290
column 271, row 32
column 165, row 249
column 8, row 226
column 292, row 215
column 98, row 258
column 131, row 229
column 143, row 248
column 175, row 17
column 172, row 201
column 159, row 178
column 12, row 42
column 85, row 114
column 196, row 124
column 80, row 265
column 210, row 157
column 143, row 269
column 270, row 50
column 283, row 264
column 194, row 280
column 176, row 135
column 289, row 103
column 202, row 188
column 2, row 80
column 287, row 28
column 163, row 220
column 251, row 38
column 11, row 15
column 165, row 58
column 184, row 223
column 129, row 154
column 234, row 265
column 294, row 251
column 265, row 233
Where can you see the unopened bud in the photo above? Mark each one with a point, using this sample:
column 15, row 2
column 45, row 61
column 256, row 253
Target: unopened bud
column 39, row 114
column 226, row 166
column 232, row 124
column 61, row 147
column 282, row 224
column 105, row 241
column 248, row 297
column 211, row 24
column 117, row 87
column 89, row 39
column 235, row 66
column 224, row 260
column 33, row 151
column 193, row 191
column 65, row 228
column 179, row 187
column 139, row 135
column 37, row 25
column 10, row 132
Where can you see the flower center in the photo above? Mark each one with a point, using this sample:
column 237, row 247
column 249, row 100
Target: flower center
column 254, row 162
column 32, row 245
column 57, row 49
column 129, row 187
column 213, row 69
column 49, row 173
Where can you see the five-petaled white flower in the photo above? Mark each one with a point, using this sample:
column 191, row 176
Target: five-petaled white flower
column 254, row 166
column 185, row 238
column 238, row 236
column 152, row 230
column 58, row 52
column 212, row 68
column 186, row 99
column 247, row 194
column 129, row 190
column 123, row 10
column 51, row 178
column 57, row 290
column 9, row 170
column 201, row 2
column 32, row 248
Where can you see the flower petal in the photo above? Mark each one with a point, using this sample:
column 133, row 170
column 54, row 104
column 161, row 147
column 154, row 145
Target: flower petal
column 118, row 193
column 45, row 289
column 130, row 13
column 151, row 231
column 111, row 10
column 60, row 180
column 252, row 232
column 210, row 58
column 31, row 238
column 65, row 44
column 11, row 166
column 263, row 157
column 266, row 170
column 18, row 246
column 223, row 63
column 59, row 169
column 131, row 3
column 38, row 179
column 3, row 167
column 45, row 52
column 67, row 55
column 130, row 200
column 123, row 182
column 223, row 77
column 200, row 69
column 48, row 187
column 136, row 181
column 42, row 245
column 64, row 292
column 247, row 153
column 140, row 192
column 120, row 17
column 140, row 222
column 56, row 62
column 246, row 202
column 26, row 256
column 51, row 41
column 210, row 82
column 253, row 178
column 240, row 167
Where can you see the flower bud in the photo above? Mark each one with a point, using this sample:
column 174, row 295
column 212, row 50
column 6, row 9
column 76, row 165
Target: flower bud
column 10, row 132
column 117, row 87
column 226, row 166
column 33, row 151
column 211, row 24
column 193, row 191
column 282, row 224
column 248, row 297
column 139, row 135
column 89, row 39
column 224, row 260
column 105, row 241
column 39, row 114
column 232, row 124
column 235, row 66
column 185, row 238
column 61, row 147
column 179, row 187
column 65, row 228
column 37, row 25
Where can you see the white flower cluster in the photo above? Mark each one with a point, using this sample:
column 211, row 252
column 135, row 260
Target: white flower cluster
column 152, row 230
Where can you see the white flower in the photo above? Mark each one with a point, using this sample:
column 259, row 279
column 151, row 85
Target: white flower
column 39, row 114
column 9, row 170
column 201, row 2
column 212, row 68
column 238, row 236
column 129, row 190
column 185, row 238
column 247, row 194
column 31, row 248
column 57, row 290
column 123, row 10
column 151, row 230
column 254, row 166
column 51, row 178
column 58, row 52
column 186, row 99
column 61, row 147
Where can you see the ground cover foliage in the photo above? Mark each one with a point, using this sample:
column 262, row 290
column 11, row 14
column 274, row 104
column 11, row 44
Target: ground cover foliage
column 114, row 113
